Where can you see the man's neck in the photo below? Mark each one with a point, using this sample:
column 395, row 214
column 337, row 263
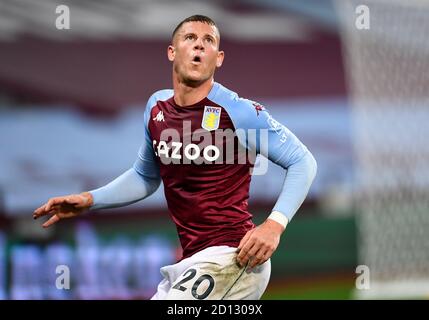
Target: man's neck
column 185, row 95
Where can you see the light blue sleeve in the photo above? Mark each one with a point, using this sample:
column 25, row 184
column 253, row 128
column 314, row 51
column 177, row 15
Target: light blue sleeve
column 274, row 141
column 142, row 179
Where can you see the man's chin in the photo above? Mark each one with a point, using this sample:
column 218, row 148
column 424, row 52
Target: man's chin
column 194, row 81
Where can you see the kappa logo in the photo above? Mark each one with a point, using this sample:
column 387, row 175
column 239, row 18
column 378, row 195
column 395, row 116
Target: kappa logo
column 211, row 118
column 159, row 117
column 258, row 107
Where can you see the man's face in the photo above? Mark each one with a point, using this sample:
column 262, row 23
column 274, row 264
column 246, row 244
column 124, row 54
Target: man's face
column 195, row 52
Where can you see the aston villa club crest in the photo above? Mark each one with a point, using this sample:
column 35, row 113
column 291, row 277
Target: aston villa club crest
column 211, row 118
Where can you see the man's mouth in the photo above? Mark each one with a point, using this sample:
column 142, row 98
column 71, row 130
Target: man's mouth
column 196, row 60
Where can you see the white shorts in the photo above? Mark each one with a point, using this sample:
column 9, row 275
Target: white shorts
column 212, row 274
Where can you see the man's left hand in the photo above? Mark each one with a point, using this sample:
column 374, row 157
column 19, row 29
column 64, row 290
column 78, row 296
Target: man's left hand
column 258, row 244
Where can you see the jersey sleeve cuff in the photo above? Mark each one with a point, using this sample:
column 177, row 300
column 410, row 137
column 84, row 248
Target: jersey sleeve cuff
column 279, row 217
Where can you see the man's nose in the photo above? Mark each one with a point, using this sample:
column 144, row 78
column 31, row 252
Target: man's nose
column 199, row 45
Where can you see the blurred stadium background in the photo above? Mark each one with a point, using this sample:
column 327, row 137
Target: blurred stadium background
column 71, row 113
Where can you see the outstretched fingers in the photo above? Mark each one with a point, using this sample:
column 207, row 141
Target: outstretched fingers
column 49, row 207
column 55, row 201
column 39, row 211
column 42, row 211
column 54, row 219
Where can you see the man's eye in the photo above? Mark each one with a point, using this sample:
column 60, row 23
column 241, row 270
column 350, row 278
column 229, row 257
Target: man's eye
column 189, row 37
column 210, row 40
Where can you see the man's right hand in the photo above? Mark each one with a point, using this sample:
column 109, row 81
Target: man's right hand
column 64, row 207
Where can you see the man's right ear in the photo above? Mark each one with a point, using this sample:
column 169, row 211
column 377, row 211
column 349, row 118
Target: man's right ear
column 171, row 53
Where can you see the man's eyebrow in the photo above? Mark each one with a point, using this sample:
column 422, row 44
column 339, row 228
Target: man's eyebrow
column 209, row 35
column 194, row 34
column 189, row 34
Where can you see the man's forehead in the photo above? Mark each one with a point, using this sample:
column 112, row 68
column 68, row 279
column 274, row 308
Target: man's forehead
column 198, row 27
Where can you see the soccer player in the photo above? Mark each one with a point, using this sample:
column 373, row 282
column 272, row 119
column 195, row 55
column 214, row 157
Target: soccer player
column 199, row 140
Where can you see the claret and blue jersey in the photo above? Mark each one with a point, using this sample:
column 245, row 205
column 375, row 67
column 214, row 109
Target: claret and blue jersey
column 203, row 154
column 206, row 175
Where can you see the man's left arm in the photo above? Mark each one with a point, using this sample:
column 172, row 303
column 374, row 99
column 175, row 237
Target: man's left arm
column 280, row 145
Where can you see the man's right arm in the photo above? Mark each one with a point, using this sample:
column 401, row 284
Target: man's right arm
column 133, row 185
column 137, row 183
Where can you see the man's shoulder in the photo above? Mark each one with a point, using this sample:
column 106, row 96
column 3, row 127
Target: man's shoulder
column 234, row 104
column 226, row 97
column 160, row 95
